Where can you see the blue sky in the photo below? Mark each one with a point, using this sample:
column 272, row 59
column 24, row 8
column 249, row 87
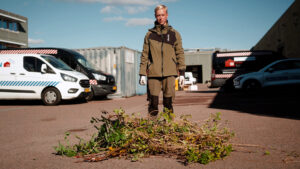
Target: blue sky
column 226, row 24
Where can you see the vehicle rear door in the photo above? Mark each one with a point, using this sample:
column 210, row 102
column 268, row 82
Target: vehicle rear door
column 9, row 68
column 278, row 74
column 294, row 73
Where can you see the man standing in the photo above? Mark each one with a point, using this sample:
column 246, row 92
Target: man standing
column 162, row 58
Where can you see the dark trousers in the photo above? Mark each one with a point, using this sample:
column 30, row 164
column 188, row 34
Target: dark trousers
column 155, row 86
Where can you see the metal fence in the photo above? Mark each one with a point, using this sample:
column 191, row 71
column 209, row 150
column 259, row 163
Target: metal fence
column 122, row 63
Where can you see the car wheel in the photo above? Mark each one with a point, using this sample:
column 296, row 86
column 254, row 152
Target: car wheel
column 90, row 96
column 51, row 96
column 251, row 85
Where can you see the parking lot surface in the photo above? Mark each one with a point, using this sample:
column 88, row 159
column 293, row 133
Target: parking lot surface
column 266, row 126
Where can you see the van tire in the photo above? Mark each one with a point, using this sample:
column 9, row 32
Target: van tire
column 51, row 96
column 251, row 86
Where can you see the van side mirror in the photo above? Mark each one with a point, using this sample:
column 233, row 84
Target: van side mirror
column 44, row 68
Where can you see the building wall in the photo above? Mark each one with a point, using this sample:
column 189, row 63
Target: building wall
column 202, row 59
column 284, row 36
column 13, row 38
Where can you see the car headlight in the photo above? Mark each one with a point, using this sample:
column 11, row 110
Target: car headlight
column 68, row 78
column 99, row 77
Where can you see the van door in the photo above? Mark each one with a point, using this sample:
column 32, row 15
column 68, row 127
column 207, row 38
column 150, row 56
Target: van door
column 32, row 81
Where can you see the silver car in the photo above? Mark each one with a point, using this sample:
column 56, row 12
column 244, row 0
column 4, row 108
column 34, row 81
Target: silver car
column 277, row 73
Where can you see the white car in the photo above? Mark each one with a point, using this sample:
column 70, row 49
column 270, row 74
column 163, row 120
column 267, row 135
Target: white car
column 277, row 73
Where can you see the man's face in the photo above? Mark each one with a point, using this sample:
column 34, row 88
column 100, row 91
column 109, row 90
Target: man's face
column 161, row 16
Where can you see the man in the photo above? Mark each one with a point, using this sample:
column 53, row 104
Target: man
column 162, row 58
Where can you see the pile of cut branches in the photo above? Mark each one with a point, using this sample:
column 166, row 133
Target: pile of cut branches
column 130, row 136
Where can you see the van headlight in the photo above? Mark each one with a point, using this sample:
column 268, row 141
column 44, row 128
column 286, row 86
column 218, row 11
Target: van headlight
column 68, row 78
column 99, row 77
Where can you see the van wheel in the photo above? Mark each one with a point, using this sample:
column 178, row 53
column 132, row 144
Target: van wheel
column 90, row 96
column 51, row 96
column 251, row 85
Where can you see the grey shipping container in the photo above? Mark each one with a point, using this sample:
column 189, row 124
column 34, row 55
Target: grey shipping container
column 122, row 63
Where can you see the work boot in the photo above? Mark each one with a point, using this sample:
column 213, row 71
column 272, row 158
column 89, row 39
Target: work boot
column 167, row 102
column 153, row 107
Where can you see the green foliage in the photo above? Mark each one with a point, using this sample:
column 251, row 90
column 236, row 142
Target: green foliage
column 66, row 150
column 120, row 134
column 267, row 152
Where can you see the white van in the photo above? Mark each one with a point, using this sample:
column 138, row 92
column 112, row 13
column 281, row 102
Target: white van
column 35, row 76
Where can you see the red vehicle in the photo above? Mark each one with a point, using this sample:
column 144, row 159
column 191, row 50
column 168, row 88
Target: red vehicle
column 228, row 65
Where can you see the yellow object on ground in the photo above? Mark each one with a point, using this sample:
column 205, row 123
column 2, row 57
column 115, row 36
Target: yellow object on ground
column 176, row 84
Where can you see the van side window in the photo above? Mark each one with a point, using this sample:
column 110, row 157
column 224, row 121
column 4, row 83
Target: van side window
column 32, row 64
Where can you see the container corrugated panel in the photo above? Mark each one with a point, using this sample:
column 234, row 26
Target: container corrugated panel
column 121, row 62
column 140, row 90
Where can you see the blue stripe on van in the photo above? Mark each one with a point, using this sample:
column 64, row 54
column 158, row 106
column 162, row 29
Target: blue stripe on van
column 28, row 83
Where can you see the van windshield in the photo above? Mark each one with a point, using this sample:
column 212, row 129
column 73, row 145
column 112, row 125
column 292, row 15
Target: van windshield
column 56, row 63
column 81, row 59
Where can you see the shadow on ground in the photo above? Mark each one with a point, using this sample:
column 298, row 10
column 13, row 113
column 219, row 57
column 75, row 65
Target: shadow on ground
column 277, row 102
column 40, row 103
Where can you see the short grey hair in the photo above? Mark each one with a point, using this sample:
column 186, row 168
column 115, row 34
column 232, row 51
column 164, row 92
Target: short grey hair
column 158, row 7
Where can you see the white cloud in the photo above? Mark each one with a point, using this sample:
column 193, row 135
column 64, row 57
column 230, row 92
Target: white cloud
column 135, row 9
column 117, row 18
column 131, row 6
column 131, row 21
column 107, row 9
column 35, row 41
column 124, row 2
column 110, row 9
column 169, row 0
column 120, row 2
column 139, row 22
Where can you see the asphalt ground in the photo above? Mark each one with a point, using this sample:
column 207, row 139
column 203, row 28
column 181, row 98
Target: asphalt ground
column 266, row 126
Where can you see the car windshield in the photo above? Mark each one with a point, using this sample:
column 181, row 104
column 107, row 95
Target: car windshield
column 59, row 64
column 81, row 59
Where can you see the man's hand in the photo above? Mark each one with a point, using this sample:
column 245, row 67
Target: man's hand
column 181, row 81
column 143, row 80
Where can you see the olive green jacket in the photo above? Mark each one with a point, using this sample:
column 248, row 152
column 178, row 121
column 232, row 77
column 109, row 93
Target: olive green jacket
column 162, row 54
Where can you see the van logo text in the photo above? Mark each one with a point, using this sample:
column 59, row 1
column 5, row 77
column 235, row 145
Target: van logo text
column 6, row 64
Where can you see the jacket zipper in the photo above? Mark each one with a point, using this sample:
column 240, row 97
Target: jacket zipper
column 162, row 52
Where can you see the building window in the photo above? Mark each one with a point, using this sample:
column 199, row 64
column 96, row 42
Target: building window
column 2, row 46
column 13, row 26
column 8, row 25
column 4, row 24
